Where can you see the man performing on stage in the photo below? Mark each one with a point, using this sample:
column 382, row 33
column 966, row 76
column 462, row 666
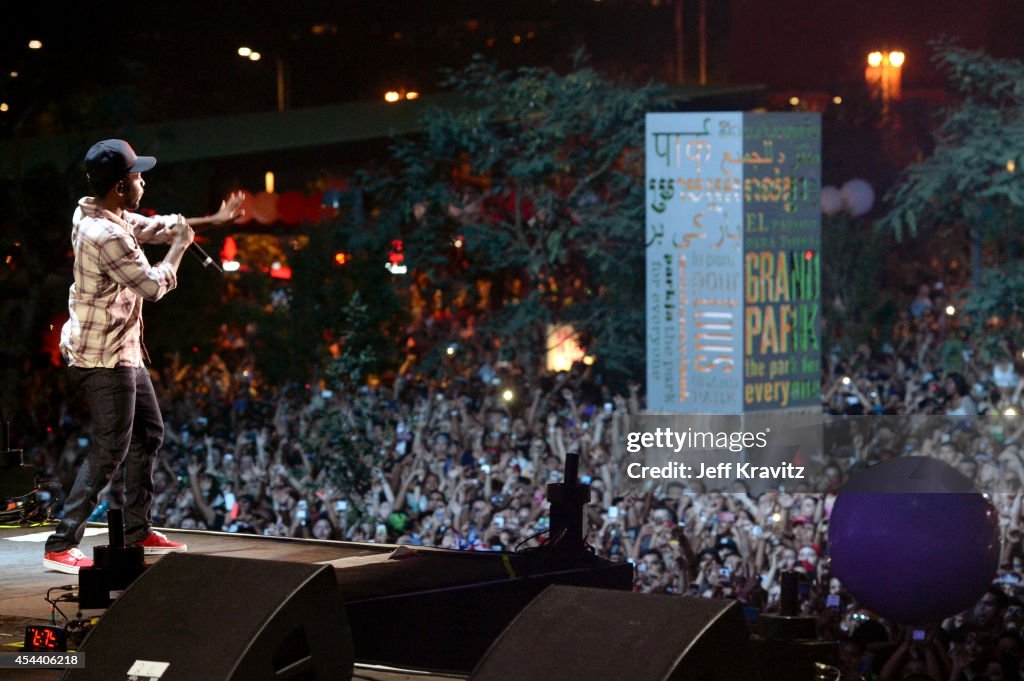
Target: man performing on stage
column 103, row 346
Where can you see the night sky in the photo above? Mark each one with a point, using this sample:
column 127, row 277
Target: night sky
column 161, row 60
column 142, row 62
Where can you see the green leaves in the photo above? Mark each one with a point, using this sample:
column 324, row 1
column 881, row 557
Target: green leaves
column 540, row 174
column 971, row 183
column 977, row 145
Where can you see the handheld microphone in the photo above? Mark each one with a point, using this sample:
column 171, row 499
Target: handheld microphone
column 197, row 250
column 204, row 257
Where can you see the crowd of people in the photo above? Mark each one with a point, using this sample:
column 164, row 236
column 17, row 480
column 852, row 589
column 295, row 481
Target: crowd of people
column 464, row 463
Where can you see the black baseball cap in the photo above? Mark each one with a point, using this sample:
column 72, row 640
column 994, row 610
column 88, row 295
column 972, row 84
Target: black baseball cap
column 110, row 160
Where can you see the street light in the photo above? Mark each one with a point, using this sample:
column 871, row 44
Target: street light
column 392, row 96
column 884, row 75
column 282, row 77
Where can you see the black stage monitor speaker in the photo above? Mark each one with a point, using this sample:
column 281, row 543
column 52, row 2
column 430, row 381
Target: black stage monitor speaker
column 577, row 634
column 192, row 617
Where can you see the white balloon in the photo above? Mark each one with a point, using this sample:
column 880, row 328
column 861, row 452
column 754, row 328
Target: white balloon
column 858, row 197
column 831, row 200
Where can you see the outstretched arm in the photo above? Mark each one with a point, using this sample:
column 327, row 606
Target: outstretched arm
column 229, row 211
column 160, row 229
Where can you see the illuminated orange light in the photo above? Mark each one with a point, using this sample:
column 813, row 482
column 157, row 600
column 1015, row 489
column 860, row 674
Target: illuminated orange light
column 875, row 59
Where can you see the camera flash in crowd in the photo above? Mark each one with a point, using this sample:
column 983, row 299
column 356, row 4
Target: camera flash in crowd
column 950, row 310
column 450, row 350
column 507, row 395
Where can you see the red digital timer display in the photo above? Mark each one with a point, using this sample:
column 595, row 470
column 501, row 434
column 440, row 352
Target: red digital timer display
column 45, row 638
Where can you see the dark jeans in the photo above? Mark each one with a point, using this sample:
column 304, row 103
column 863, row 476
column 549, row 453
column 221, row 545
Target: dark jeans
column 126, row 433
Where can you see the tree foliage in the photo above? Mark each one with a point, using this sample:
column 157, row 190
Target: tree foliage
column 533, row 190
column 973, row 183
column 972, row 177
column 327, row 309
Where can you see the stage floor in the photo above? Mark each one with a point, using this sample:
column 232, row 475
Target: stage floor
column 24, row 581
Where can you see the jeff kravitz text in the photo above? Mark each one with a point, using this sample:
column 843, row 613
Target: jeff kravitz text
column 724, row 443
column 722, row 470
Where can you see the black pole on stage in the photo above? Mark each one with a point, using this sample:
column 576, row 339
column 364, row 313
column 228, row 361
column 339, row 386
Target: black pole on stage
column 115, row 528
column 115, row 567
column 789, row 602
column 566, row 544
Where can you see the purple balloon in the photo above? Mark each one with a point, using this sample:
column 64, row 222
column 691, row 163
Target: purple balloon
column 914, row 557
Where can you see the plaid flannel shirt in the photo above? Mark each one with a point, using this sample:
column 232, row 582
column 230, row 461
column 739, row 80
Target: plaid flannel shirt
column 112, row 278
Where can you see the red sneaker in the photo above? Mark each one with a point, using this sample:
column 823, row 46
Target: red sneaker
column 157, row 543
column 66, row 561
